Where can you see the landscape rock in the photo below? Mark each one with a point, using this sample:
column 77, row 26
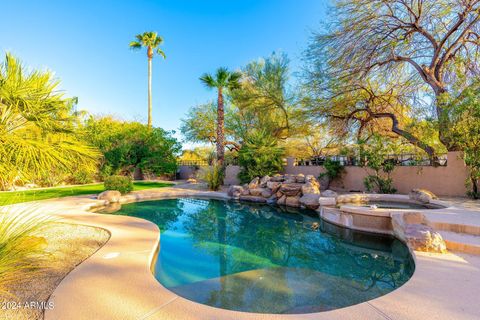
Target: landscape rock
column 310, row 188
column 266, row 193
column 422, row 195
column 290, row 179
column 263, row 182
column 273, row 185
column 300, row 178
column 192, row 181
column 253, row 199
column 310, row 201
column 112, row 196
column 423, row 238
column 282, row 200
column 290, row 189
column 257, row 191
column 235, row 191
column 329, row 193
column 254, row 183
column 277, row 178
column 293, row 202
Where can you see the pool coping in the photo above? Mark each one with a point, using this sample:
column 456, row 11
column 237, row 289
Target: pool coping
column 117, row 283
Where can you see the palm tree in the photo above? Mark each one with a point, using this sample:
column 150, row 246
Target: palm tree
column 222, row 80
column 151, row 41
column 37, row 127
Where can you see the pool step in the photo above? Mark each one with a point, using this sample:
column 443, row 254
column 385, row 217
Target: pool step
column 461, row 242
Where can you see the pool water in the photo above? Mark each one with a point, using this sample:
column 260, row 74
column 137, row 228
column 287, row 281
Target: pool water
column 264, row 259
column 393, row 205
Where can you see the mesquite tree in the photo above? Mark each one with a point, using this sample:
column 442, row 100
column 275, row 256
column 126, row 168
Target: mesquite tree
column 428, row 42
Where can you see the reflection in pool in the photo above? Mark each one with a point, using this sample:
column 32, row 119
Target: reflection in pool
column 264, row 259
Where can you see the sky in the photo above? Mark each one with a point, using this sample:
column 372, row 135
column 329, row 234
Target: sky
column 85, row 43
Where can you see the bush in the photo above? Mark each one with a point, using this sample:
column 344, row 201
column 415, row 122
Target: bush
column 259, row 156
column 119, row 183
column 214, row 176
column 334, row 170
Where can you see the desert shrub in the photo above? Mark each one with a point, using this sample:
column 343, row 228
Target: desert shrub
column 22, row 246
column 334, row 170
column 119, row 183
column 213, row 176
column 374, row 155
column 260, row 155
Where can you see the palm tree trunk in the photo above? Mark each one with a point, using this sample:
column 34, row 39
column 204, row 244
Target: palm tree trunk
column 220, row 129
column 149, row 92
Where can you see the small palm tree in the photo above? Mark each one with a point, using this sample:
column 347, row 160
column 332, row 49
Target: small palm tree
column 151, row 41
column 222, row 80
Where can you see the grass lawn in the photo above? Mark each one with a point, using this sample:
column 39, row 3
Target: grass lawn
column 58, row 192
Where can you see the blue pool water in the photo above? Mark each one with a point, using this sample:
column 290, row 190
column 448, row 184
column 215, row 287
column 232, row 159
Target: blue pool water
column 265, row 259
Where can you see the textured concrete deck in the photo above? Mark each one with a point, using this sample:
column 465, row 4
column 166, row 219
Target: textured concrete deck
column 117, row 282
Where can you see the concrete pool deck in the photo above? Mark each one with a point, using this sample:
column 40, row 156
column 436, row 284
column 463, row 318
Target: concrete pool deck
column 117, row 283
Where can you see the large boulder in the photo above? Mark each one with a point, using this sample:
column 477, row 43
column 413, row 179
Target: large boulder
column 310, row 201
column 329, row 193
column 112, row 196
column 422, row 195
column 327, row 201
column 290, row 179
column 277, row 178
column 257, row 191
column 253, row 199
column 282, row 200
column 235, row 191
column 310, row 188
column 254, row 183
column 274, row 186
column 293, row 202
column 290, row 189
column 266, row 193
column 300, row 178
column 263, row 182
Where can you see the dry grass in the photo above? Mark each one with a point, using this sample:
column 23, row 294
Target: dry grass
column 65, row 246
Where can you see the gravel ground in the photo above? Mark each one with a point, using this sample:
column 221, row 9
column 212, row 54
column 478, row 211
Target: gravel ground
column 68, row 245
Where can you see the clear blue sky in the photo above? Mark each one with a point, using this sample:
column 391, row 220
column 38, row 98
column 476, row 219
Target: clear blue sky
column 86, row 44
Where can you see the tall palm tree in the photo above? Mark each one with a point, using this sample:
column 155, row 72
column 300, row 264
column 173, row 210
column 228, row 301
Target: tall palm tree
column 222, row 80
column 151, row 41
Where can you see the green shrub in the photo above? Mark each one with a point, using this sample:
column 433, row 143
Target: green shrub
column 334, row 170
column 119, row 183
column 214, row 176
column 259, row 156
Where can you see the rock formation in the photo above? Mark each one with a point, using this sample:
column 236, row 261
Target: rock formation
column 287, row 190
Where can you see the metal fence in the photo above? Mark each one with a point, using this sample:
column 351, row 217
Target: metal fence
column 408, row 159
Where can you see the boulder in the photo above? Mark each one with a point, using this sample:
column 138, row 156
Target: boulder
column 277, row 178
column 192, row 181
column 290, row 179
column 310, row 201
column 422, row 195
column 293, row 202
column 300, row 178
column 310, row 188
column 235, row 191
column 282, row 200
column 254, row 183
column 290, row 189
column 329, row 193
column 253, row 199
column 324, row 181
column 278, row 194
column 273, row 185
column 266, row 193
column 111, row 196
column 420, row 237
column 263, row 181
column 257, row 191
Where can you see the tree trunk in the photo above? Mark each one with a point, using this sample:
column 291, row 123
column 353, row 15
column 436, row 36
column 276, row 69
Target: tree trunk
column 149, row 92
column 220, row 129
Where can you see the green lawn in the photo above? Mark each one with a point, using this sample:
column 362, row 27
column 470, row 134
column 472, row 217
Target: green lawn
column 31, row 195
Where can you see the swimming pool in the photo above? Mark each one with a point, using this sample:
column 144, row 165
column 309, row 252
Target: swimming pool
column 265, row 259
